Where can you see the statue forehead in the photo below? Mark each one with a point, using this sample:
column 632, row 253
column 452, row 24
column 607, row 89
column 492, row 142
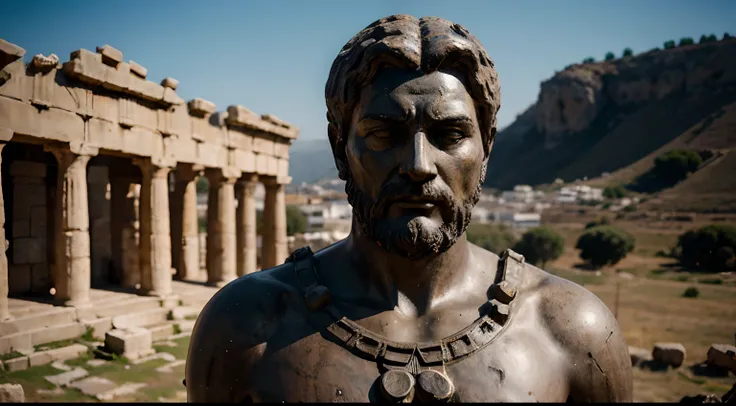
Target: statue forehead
column 394, row 89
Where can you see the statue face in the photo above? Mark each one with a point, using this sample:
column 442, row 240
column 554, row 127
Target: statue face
column 416, row 160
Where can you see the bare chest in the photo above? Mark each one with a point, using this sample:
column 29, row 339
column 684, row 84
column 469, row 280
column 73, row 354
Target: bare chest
column 518, row 365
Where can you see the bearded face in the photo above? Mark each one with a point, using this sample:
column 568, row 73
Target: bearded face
column 415, row 162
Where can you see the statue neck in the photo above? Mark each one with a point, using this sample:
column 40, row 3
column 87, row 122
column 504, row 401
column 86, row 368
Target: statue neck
column 413, row 286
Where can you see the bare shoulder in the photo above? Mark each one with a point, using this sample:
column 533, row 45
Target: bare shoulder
column 584, row 327
column 231, row 331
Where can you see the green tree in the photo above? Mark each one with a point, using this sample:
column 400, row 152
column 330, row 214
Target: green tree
column 709, row 248
column 296, row 221
column 540, row 245
column 604, row 245
column 492, row 237
column 726, row 36
column 609, row 56
column 669, row 44
column 589, row 60
column 708, row 38
column 686, row 41
column 203, row 186
column 614, row 192
column 600, row 221
column 673, row 166
column 627, row 52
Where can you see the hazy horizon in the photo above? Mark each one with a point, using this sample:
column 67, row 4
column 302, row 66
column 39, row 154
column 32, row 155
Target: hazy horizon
column 275, row 57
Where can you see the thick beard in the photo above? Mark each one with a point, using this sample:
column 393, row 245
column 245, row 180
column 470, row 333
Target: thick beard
column 415, row 240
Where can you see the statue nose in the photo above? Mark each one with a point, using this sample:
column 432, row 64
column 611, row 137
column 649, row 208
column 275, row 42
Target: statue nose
column 418, row 164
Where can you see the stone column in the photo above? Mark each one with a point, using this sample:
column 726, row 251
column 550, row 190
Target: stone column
column 4, row 312
column 245, row 220
column 155, row 240
column 185, row 234
column 221, row 239
column 274, row 247
column 72, row 279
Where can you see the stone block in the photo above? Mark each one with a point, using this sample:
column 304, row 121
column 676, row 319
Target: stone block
column 118, row 78
column 110, row 55
column 15, row 342
column 273, row 166
column 19, row 278
column 44, row 88
column 39, row 319
column 93, row 385
column 283, row 167
column 145, row 89
column 183, row 312
column 105, row 134
column 137, row 69
column 139, row 141
column 263, row 146
column 132, row 343
column 65, row 378
column 671, row 354
column 161, row 332
column 201, row 107
column 170, row 97
column 187, row 326
column 239, row 115
column 58, row 354
column 9, row 52
column 28, row 168
column 281, row 150
column 261, row 164
column 86, row 66
column 21, row 228
column 146, row 318
column 99, row 326
column 17, row 364
column 170, row 83
column 11, row 392
column 722, row 355
column 57, row 333
column 244, row 160
column 39, row 224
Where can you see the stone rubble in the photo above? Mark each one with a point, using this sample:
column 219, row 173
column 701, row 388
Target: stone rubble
column 66, row 378
column 11, row 392
column 670, row 354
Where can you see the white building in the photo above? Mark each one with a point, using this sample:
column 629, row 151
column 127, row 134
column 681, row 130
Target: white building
column 318, row 214
column 578, row 193
column 517, row 220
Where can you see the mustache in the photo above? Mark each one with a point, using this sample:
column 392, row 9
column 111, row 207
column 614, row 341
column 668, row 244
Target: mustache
column 401, row 191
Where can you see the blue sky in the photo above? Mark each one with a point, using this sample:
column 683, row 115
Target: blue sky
column 274, row 56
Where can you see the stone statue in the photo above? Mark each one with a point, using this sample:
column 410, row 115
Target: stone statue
column 406, row 309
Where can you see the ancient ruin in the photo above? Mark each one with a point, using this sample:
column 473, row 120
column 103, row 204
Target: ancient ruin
column 90, row 140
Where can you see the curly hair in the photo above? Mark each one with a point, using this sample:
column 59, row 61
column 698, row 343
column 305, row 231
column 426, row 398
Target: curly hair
column 402, row 41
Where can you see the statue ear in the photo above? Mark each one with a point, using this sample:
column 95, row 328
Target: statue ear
column 338, row 150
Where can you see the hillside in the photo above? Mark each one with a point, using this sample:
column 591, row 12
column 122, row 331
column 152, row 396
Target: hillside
column 617, row 116
column 311, row 160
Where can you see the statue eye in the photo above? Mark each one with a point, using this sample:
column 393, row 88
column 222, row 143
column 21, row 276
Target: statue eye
column 380, row 133
column 453, row 136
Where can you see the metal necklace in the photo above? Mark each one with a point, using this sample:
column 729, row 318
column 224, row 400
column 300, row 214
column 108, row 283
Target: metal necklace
column 413, row 371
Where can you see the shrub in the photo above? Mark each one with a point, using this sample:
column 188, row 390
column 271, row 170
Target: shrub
column 203, row 186
column 614, row 192
column 686, row 41
column 600, row 221
column 610, row 56
column 540, row 245
column 627, row 52
column 604, row 245
column 296, row 221
column 691, row 292
column 492, row 237
column 726, row 36
column 673, row 166
column 669, row 44
column 709, row 248
column 589, row 60
column 707, row 38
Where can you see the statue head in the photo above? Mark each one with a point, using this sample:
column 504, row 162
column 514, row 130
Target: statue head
column 411, row 105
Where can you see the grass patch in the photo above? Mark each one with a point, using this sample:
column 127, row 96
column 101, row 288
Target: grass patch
column 89, row 334
column 56, row 344
column 711, row 281
column 180, row 351
column 685, row 377
column 176, row 329
column 581, row 278
column 10, row 355
column 191, row 317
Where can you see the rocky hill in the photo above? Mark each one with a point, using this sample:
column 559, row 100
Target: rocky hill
column 597, row 118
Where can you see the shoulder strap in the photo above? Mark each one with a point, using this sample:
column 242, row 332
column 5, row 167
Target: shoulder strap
column 316, row 295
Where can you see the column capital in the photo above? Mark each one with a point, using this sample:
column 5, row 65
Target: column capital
column 272, row 181
column 248, row 178
column 227, row 174
column 148, row 165
column 188, row 172
column 77, row 148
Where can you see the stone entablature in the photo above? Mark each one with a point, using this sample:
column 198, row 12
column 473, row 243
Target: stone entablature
column 98, row 100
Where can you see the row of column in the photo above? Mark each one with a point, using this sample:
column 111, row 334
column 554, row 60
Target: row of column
column 231, row 233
